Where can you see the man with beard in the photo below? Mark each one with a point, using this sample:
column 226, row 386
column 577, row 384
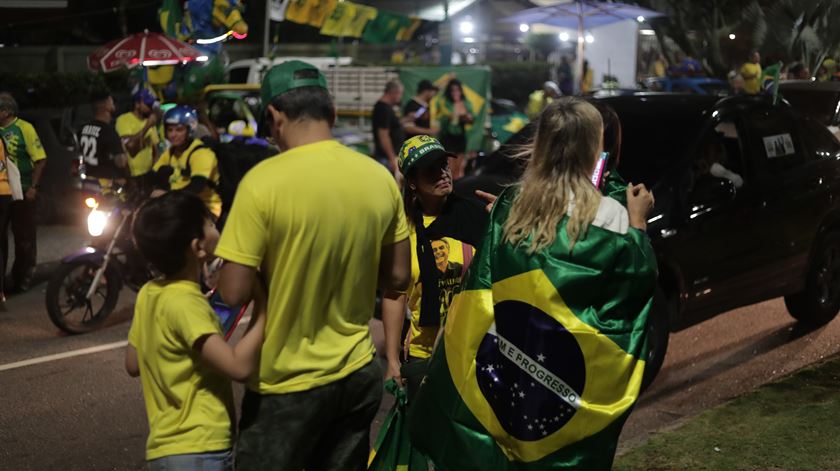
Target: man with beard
column 138, row 131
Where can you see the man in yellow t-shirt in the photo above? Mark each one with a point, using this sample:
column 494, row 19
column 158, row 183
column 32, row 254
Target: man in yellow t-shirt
column 325, row 226
column 187, row 164
column 751, row 72
column 138, row 130
column 23, row 149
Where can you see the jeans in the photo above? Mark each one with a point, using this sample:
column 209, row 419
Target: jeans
column 23, row 229
column 323, row 429
column 210, row 461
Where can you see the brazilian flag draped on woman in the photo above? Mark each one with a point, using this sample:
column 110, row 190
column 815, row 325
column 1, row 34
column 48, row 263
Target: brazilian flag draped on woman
column 543, row 354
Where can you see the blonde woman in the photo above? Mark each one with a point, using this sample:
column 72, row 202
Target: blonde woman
column 543, row 351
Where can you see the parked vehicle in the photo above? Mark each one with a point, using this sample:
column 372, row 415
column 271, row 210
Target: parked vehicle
column 84, row 290
column 768, row 226
column 819, row 100
column 698, row 85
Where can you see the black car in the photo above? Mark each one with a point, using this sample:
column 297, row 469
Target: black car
column 747, row 205
column 819, row 100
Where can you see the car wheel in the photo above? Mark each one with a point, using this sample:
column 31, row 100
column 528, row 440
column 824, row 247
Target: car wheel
column 819, row 302
column 658, row 333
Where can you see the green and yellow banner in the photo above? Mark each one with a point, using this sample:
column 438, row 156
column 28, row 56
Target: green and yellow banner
column 348, row 20
column 476, row 84
column 542, row 356
column 384, row 28
column 310, row 12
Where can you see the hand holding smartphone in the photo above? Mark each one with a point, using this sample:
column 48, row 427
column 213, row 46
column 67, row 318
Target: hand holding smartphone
column 229, row 316
column 600, row 166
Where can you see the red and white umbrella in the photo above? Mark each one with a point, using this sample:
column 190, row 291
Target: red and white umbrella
column 144, row 48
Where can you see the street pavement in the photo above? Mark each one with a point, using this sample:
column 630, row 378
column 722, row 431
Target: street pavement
column 72, row 407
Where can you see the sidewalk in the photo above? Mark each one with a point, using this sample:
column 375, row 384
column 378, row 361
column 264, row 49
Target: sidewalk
column 790, row 424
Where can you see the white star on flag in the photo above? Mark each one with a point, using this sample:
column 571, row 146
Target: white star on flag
column 540, row 358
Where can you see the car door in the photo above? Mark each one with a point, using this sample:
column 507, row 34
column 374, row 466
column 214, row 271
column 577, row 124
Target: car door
column 711, row 240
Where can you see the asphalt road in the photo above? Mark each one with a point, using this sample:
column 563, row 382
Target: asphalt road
column 83, row 412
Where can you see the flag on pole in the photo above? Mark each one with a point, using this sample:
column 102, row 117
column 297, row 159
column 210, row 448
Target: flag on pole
column 384, row 28
column 772, row 74
column 310, row 12
column 542, row 356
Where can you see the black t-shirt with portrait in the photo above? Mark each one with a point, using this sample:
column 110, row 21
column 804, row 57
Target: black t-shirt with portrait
column 99, row 143
column 424, row 120
column 385, row 118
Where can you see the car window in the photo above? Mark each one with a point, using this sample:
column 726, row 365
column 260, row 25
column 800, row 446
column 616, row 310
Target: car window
column 819, row 141
column 821, row 105
column 239, row 75
column 773, row 139
column 719, row 155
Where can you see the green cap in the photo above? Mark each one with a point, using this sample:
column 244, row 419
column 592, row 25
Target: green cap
column 419, row 151
column 288, row 76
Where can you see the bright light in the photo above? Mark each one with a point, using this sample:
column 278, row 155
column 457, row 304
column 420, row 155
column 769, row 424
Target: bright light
column 731, row 35
column 564, row 36
column 467, row 27
column 239, row 36
column 202, row 58
column 590, row 39
column 469, row 40
column 647, row 32
column 91, row 203
column 580, row 39
column 96, row 222
column 524, row 28
column 640, row 19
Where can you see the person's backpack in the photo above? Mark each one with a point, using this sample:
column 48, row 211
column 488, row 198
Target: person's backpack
column 234, row 158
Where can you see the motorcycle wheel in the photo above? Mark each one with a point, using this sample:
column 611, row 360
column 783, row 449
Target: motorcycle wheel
column 66, row 291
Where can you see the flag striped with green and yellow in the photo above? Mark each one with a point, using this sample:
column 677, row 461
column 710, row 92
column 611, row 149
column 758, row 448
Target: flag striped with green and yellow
column 542, row 356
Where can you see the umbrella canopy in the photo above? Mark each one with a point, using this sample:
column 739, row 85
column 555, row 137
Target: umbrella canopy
column 586, row 13
column 144, row 48
column 581, row 15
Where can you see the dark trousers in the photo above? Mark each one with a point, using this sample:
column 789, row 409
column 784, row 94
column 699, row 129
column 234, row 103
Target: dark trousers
column 5, row 215
column 22, row 218
column 326, row 428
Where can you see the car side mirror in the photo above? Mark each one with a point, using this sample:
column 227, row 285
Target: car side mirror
column 711, row 191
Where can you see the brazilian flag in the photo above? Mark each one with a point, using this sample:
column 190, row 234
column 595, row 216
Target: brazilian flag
column 542, row 356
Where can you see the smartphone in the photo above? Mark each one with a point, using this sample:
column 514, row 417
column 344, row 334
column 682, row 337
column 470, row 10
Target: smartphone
column 600, row 166
column 420, row 112
column 229, row 316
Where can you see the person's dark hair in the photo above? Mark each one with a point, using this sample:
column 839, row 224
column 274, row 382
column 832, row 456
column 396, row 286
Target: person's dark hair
column 392, row 86
column 797, row 68
column 98, row 99
column 313, row 103
column 612, row 131
column 8, row 103
column 164, row 227
column 449, row 86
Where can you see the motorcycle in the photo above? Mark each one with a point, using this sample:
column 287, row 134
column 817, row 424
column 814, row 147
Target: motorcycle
column 85, row 288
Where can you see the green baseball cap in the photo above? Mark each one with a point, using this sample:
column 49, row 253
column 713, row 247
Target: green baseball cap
column 288, row 76
column 420, row 151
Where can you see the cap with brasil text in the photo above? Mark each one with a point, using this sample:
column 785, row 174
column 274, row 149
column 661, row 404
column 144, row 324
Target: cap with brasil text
column 420, row 151
column 288, row 76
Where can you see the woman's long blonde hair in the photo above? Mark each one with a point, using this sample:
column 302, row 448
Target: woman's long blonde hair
column 569, row 135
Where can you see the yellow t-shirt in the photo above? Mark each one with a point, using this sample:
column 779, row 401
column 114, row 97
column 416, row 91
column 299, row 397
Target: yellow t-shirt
column 752, row 85
column 128, row 124
column 314, row 219
column 449, row 255
column 5, row 187
column 188, row 404
column 202, row 163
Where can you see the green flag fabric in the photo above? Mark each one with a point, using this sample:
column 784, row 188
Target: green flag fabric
column 170, row 16
column 392, row 450
column 384, row 28
column 542, row 356
column 773, row 73
column 476, row 82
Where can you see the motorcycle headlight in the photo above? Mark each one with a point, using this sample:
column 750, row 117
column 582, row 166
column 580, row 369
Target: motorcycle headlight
column 96, row 222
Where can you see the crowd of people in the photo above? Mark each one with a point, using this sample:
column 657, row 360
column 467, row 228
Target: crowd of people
column 313, row 233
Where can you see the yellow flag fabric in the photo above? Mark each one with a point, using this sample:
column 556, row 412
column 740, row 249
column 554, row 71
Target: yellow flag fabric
column 407, row 32
column 364, row 14
column 339, row 20
column 310, row 12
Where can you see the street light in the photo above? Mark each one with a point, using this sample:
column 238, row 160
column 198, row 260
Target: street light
column 590, row 39
column 564, row 36
column 731, row 35
column 467, row 27
column 524, row 28
column 640, row 19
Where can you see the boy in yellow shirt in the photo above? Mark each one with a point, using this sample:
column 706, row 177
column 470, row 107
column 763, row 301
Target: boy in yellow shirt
column 175, row 343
